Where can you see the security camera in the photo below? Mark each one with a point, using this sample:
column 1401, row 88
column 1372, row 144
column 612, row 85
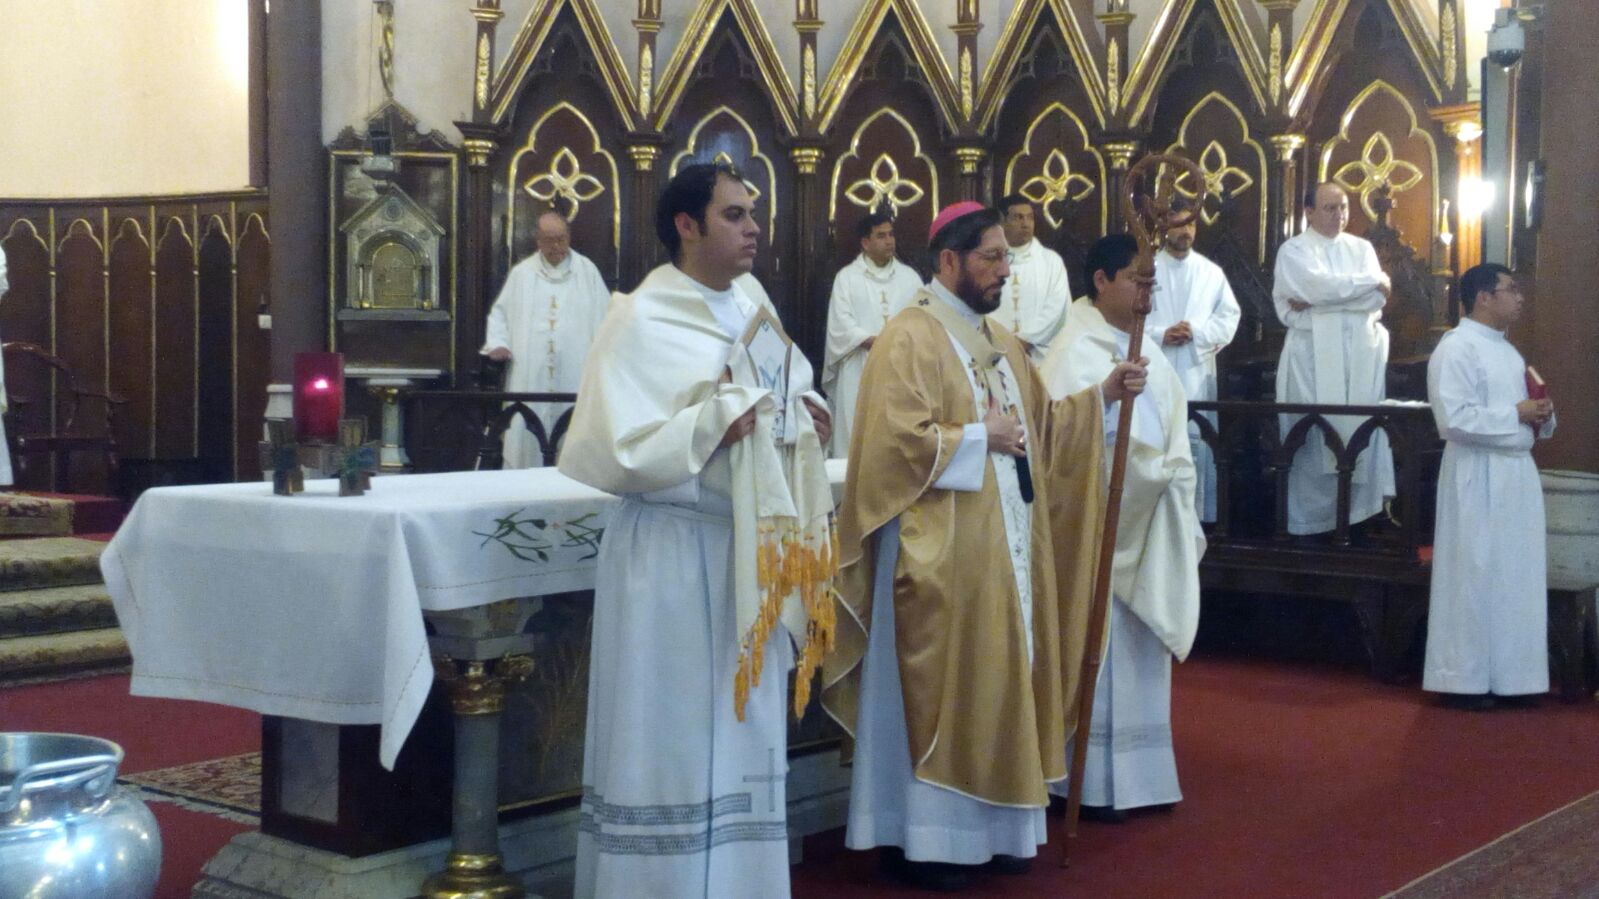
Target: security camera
column 1507, row 40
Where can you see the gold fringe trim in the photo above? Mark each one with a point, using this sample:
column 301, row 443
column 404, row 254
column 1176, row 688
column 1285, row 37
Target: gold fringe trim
column 790, row 563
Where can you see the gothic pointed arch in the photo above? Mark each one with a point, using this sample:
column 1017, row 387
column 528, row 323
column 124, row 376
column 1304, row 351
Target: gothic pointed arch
column 598, row 58
column 1015, row 53
column 720, row 20
column 901, row 24
column 1173, row 34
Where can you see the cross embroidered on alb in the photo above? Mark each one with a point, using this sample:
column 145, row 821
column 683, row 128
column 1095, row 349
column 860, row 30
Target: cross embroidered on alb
column 771, row 778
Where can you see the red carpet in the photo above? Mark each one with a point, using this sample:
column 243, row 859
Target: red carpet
column 1299, row 782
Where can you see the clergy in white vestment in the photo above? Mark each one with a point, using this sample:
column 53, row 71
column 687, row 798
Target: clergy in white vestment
column 543, row 323
column 715, row 573
column 967, row 533
column 6, row 476
column 1037, row 293
column 1194, row 318
column 1329, row 290
column 866, row 294
column 1154, row 610
column 1487, row 634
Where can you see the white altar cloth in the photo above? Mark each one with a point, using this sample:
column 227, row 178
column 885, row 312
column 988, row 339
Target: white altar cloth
column 311, row 606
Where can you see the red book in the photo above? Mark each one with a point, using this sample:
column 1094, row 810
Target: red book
column 1536, row 388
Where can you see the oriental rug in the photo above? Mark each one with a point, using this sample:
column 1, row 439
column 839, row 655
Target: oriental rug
column 228, row 787
column 1553, row 857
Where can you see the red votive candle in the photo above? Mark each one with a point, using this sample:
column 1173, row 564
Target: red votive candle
column 318, row 396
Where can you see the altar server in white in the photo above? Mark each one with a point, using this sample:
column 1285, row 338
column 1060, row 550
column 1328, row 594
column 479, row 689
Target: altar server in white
column 1329, row 290
column 1486, row 626
column 716, row 565
column 543, row 324
column 866, row 294
column 1154, row 611
column 1194, row 319
column 1037, row 293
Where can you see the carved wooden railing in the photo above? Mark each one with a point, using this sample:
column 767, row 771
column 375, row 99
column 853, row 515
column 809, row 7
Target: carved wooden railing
column 1248, row 435
column 462, row 430
column 1380, row 567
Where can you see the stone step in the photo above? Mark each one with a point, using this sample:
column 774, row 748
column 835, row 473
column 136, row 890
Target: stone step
column 49, row 562
column 55, row 610
column 47, row 655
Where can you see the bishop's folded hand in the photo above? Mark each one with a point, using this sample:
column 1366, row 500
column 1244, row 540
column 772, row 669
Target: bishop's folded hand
column 1127, row 379
column 500, row 354
column 1005, row 434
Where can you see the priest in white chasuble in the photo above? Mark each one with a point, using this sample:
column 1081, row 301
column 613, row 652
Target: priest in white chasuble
column 715, row 568
column 1486, row 627
column 1036, row 292
column 967, row 536
column 1329, row 290
column 543, row 323
column 866, row 294
column 1154, row 607
column 1194, row 318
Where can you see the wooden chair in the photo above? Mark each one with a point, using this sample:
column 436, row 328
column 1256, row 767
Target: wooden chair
column 29, row 429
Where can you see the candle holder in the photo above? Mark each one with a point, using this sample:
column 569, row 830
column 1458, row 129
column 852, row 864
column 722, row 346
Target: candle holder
column 318, row 396
column 353, row 459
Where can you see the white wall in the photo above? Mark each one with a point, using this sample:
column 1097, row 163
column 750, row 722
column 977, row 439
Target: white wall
column 433, row 58
column 115, row 97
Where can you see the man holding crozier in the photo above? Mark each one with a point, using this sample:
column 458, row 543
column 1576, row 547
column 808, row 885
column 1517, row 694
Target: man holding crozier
column 1154, row 607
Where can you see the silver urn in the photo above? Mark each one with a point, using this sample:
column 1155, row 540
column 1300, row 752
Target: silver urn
column 66, row 830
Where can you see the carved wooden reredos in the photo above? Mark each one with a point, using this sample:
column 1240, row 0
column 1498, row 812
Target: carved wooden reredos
column 594, row 122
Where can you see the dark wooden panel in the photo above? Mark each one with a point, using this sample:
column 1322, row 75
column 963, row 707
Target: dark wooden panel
column 560, row 166
column 1382, row 85
column 25, row 314
column 215, row 370
column 132, row 337
column 564, row 104
column 177, row 347
column 80, row 338
column 890, row 115
column 253, row 351
column 1045, row 149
